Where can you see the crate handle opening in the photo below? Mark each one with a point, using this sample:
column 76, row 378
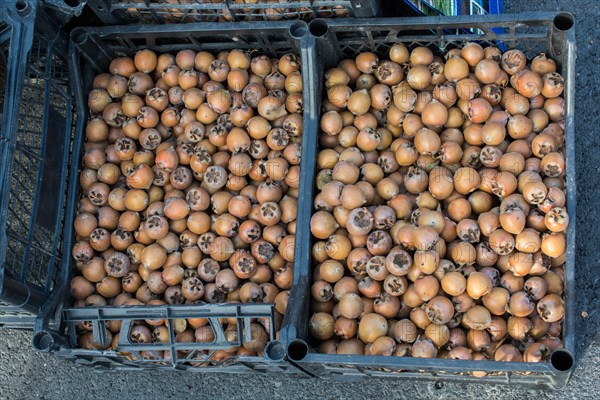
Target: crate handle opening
column 297, row 350
column 564, row 21
column 78, row 36
column 275, row 350
column 43, row 341
column 23, row 8
column 318, row 27
column 562, row 360
column 298, row 29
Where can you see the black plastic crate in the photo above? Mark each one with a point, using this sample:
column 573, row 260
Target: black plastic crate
column 533, row 32
column 90, row 52
column 36, row 123
column 175, row 11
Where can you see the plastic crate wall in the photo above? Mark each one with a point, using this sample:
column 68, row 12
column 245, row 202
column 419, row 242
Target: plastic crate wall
column 176, row 11
column 534, row 32
column 36, row 125
column 90, row 53
column 61, row 11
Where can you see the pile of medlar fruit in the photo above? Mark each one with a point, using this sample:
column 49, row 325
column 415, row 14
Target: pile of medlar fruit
column 189, row 190
column 440, row 220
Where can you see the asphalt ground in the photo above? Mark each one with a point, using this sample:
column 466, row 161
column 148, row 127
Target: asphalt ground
column 27, row 374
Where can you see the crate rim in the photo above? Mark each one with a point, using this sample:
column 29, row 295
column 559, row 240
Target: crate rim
column 435, row 364
column 105, row 9
column 296, row 29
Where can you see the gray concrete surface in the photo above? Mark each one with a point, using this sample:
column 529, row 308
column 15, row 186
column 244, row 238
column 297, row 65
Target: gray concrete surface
column 26, row 374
